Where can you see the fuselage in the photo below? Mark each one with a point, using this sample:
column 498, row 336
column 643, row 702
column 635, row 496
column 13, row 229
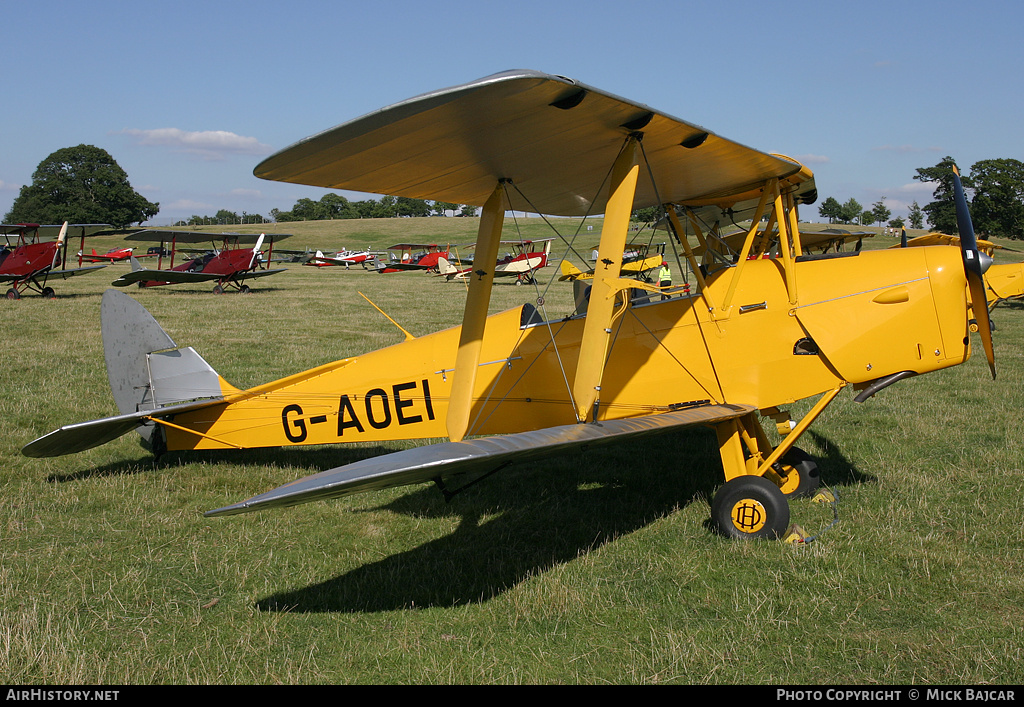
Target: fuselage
column 29, row 259
column 226, row 263
column 845, row 320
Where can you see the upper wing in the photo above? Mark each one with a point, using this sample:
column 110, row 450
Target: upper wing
column 476, row 455
column 553, row 137
column 162, row 235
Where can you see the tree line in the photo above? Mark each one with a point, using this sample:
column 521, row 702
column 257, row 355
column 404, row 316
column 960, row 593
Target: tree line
column 995, row 189
column 335, row 206
column 84, row 184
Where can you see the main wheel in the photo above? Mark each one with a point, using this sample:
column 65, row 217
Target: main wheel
column 218, row 290
column 802, row 475
column 13, row 294
column 750, row 507
column 244, row 289
column 48, row 293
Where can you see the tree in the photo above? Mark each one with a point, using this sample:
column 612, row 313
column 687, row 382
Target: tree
column 830, row 209
column 997, row 208
column 916, row 216
column 406, row 206
column 80, row 184
column 880, row 213
column 942, row 211
column 441, row 208
column 851, row 211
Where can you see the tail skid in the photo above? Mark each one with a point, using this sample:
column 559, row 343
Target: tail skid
column 149, row 376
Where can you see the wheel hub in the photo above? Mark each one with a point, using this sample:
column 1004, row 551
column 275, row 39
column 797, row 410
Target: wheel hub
column 748, row 515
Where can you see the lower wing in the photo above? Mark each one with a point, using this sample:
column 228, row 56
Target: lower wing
column 480, row 455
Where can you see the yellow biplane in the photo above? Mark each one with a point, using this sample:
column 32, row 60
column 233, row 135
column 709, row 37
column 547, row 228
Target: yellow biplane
column 638, row 259
column 1003, row 281
column 752, row 337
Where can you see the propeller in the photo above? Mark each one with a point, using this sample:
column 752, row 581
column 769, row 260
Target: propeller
column 57, row 256
column 256, row 250
column 975, row 265
column 903, row 237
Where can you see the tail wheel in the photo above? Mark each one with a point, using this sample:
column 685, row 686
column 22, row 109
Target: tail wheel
column 750, row 507
column 802, row 475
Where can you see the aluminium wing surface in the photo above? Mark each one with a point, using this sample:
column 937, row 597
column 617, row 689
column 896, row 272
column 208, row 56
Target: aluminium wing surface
column 481, row 455
column 553, row 137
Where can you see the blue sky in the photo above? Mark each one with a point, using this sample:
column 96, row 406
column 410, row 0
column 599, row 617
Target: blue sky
column 189, row 96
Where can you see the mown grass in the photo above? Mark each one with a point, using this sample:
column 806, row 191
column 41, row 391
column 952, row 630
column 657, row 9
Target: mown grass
column 596, row 567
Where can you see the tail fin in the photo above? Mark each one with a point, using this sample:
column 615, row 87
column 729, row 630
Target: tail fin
column 136, row 265
column 445, row 268
column 149, row 377
column 145, row 368
column 569, row 271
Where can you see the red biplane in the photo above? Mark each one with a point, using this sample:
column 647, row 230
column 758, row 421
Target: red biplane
column 228, row 266
column 30, row 261
column 413, row 256
column 113, row 255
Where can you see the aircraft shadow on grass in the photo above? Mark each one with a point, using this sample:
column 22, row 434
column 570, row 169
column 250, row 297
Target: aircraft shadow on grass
column 524, row 522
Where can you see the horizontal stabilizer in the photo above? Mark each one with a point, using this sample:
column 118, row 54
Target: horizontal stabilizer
column 476, row 455
column 81, row 436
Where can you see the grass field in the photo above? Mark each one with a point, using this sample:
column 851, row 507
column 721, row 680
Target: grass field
column 595, row 567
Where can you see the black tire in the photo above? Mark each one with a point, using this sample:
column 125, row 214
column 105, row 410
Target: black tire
column 218, row 290
column 13, row 294
column 807, row 479
column 750, row 508
column 48, row 293
column 244, row 289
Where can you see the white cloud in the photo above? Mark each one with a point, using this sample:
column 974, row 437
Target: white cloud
column 812, row 159
column 7, row 186
column 183, row 205
column 207, row 144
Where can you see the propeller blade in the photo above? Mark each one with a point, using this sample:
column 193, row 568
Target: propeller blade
column 256, row 250
column 974, row 267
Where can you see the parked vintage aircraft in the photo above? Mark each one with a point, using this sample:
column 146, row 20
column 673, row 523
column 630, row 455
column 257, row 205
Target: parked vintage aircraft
column 412, row 256
column 229, row 266
column 752, row 337
column 29, row 262
column 638, row 259
column 521, row 261
column 114, row 255
column 345, row 258
column 1003, row 281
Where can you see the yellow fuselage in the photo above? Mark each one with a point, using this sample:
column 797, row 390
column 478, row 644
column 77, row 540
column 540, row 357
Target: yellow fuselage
column 901, row 310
